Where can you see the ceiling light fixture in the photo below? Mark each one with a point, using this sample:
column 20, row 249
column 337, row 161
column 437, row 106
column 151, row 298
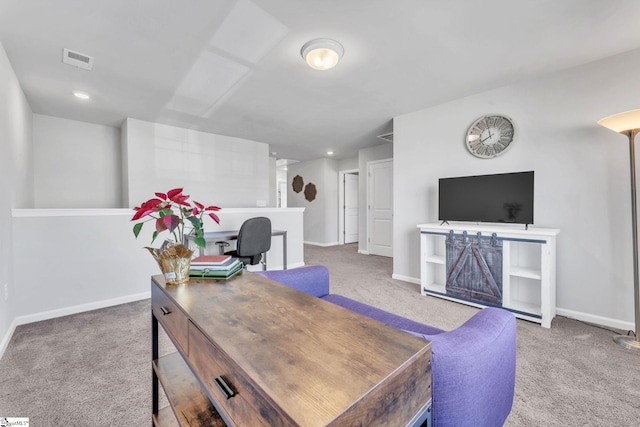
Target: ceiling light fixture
column 81, row 95
column 322, row 54
column 330, row 153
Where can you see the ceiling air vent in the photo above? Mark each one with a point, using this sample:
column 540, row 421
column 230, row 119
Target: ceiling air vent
column 77, row 59
column 387, row 136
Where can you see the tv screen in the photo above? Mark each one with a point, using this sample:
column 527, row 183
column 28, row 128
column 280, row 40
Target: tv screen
column 506, row 197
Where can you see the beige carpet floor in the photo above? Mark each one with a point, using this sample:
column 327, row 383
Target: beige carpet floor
column 570, row 375
column 93, row 368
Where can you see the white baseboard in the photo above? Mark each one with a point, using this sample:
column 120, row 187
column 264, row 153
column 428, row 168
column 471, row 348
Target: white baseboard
column 52, row 314
column 406, row 278
column 363, row 252
column 5, row 341
column 324, row 245
column 596, row 320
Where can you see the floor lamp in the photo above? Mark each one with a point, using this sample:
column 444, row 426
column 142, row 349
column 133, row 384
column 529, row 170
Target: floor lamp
column 628, row 123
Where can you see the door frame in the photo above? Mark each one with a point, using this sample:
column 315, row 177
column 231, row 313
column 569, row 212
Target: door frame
column 369, row 164
column 341, row 175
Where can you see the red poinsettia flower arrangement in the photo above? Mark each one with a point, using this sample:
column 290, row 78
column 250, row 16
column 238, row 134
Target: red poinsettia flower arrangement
column 171, row 212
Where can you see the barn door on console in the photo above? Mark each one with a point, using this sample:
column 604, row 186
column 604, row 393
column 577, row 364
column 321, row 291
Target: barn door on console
column 474, row 268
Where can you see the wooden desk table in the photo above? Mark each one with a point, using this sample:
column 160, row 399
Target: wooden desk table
column 216, row 236
column 254, row 352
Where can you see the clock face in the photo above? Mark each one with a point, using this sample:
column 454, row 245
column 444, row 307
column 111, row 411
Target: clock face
column 490, row 136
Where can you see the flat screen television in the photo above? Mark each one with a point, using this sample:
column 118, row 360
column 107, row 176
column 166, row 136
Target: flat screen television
column 505, row 197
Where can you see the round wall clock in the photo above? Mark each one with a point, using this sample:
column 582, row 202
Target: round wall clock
column 490, row 136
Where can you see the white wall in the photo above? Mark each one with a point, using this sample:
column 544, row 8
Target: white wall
column 348, row 164
column 16, row 182
column 321, row 214
column 365, row 155
column 331, row 190
column 86, row 259
column 582, row 176
column 89, row 258
column 77, row 164
column 213, row 169
column 281, row 187
column 273, row 183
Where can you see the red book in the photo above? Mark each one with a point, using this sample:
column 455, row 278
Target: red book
column 210, row 260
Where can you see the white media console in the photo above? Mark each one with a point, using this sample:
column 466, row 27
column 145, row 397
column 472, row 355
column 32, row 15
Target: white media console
column 528, row 266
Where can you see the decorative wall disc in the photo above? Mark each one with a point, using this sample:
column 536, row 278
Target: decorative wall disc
column 297, row 183
column 310, row 192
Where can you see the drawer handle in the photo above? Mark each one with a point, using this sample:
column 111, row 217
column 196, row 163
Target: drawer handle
column 165, row 311
column 224, row 387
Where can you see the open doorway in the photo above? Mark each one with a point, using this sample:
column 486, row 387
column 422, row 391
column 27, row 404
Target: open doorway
column 348, row 218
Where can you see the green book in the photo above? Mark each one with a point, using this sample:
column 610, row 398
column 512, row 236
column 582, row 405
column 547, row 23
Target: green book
column 216, row 274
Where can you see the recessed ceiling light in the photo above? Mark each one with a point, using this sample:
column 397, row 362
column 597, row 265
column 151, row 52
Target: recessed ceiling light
column 330, row 153
column 81, row 95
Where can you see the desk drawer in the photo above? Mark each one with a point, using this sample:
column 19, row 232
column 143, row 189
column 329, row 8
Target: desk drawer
column 171, row 317
column 236, row 396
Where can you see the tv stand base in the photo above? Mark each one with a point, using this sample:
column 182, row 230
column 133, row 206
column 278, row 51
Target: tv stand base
column 528, row 266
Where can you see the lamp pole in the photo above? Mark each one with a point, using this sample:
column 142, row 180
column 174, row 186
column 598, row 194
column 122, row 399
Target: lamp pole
column 628, row 123
column 627, row 340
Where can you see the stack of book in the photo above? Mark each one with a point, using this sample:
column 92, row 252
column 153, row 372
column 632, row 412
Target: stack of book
column 220, row 267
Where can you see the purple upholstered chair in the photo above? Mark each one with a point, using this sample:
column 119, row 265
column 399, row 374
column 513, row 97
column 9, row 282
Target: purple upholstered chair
column 473, row 366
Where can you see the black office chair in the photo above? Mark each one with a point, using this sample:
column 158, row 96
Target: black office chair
column 254, row 239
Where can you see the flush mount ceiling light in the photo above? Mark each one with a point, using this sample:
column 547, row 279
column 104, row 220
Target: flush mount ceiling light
column 81, row 95
column 322, row 54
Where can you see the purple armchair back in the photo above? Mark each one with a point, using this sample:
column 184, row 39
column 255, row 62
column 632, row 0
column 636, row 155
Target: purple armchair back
column 474, row 370
column 473, row 366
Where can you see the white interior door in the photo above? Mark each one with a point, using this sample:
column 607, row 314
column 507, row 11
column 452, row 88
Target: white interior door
column 282, row 194
column 350, row 208
column 380, row 227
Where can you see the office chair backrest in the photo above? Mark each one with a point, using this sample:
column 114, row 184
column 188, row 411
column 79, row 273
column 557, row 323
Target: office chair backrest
column 254, row 237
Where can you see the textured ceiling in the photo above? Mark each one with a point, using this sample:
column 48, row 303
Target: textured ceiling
column 233, row 67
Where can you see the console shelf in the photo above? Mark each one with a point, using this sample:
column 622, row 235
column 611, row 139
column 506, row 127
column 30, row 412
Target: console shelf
column 528, row 273
column 436, row 259
column 190, row 404
column 528, row 267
